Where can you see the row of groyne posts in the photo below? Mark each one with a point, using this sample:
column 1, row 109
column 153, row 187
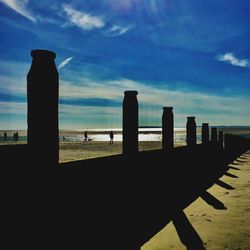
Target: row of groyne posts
column 228, row 142
column 43, row 133
column 130, row 128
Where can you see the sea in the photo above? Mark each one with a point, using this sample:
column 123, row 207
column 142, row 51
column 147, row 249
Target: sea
column 145, row 134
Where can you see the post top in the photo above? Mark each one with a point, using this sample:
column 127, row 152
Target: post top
column 167, row 108
column 43, row 53
column 191, row 117
column 205, row 124
column 131, row 92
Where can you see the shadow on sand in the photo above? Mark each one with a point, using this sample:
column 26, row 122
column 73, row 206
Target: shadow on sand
column 187, row 234
column 224, row 185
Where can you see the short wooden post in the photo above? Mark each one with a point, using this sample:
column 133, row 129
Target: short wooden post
column 191, row 131
column 221, row 139
column 167, row 128
column 205, row 133
column 214, row 138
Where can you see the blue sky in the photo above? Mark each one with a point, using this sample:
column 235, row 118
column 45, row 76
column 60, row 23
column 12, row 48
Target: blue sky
column 193, row 55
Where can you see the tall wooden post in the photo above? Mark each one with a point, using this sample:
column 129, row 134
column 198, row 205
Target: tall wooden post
column 130, row 123
column 167, row 128
column 191, row 131
column 43, row 91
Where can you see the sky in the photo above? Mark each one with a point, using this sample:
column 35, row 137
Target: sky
column 193, row 55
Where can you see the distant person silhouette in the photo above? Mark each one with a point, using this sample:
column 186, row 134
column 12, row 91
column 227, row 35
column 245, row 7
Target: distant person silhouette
column 14, row 136
column 17, row 136
column 63, row 138
column 5, row 136
column 111, row 135
column 85, row 136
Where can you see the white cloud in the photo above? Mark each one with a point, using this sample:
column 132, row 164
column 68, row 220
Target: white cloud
column 230, row 57
column 216, row 109
column 73, row 110
column 83, row 20
column 13, row 108
column 13, row 77
column 64, row 62
column 211, row 108
column 117, row 30
column 20, row 7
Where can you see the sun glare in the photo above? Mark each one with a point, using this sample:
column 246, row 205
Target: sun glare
column 132, row 5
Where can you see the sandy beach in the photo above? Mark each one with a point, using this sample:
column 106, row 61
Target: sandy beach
column 218, row 229
column 71, row 151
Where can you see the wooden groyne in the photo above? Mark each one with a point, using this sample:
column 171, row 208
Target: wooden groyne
column 115, row 202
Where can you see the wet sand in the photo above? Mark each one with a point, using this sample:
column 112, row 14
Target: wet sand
column 219, row 229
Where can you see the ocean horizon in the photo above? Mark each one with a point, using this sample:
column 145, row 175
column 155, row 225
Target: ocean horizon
column 145, row 133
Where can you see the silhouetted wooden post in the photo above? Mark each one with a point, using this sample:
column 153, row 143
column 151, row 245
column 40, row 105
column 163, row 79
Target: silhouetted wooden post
column 221, row 139
column 167, row 128
column 43, row 89
column 205, row 133
column 227, row 146
column 214, row 138
column 130, row 123
column 191, row 131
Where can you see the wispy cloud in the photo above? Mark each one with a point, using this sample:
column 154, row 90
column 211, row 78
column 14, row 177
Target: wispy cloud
column 83, row 20
column 215, row 109
column 208, row 107
column 64, row 62
column 20, row 7
column 117, row 30
column 13, row 77
column 232, row 59
column 13, row 108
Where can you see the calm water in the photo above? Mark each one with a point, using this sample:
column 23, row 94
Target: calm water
column 145, row 134
column 118, row 137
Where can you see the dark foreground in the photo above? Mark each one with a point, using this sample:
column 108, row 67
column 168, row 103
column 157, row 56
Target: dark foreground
column 113, row 202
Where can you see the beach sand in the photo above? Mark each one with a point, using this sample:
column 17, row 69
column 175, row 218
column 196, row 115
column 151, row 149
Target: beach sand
column 226, row 229
column 72, row 151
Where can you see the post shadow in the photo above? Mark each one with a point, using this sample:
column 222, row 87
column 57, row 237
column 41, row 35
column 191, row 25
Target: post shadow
column 167, row 129
column 130, row 123
column 186, row 232
column 240, row 161
column 42, row 95
column 191, row 131
column 235, row 168
column 231, row 175
column 224, row 185
column 212, row 201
